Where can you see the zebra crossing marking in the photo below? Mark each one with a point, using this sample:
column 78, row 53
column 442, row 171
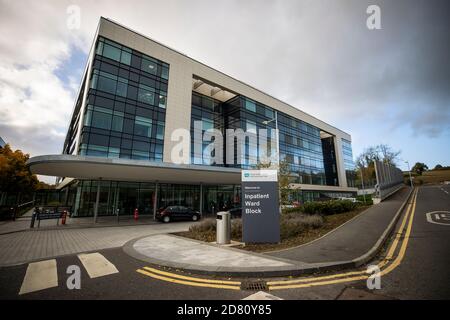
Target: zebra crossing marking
column 39, row 276
column 97, row 265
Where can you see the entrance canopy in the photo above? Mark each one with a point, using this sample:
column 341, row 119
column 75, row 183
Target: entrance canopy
column 81, row 167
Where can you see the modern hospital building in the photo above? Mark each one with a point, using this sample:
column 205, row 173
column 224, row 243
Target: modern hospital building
column 136, row 92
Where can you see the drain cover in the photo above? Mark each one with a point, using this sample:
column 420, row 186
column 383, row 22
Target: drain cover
column 254, row 285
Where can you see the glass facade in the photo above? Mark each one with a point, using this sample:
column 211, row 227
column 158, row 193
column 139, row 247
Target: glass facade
column 126, row 105
column 117, row 197
column 301, row 147
column 349, row 165
column 299, row 142
column 125, row 116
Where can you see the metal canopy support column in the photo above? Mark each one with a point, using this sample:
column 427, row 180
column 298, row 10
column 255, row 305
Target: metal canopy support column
column 201, row 199
column 155, row 202
column 97, row 199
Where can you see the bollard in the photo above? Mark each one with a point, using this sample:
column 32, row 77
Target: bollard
column 136, row 214
column 33, row 218
column 64, row 215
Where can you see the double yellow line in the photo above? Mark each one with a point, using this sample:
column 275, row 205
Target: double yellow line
column 190, row 281
column 386, row 265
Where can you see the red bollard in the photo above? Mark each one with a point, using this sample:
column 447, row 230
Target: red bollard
column 136, row 214
column 64, row 215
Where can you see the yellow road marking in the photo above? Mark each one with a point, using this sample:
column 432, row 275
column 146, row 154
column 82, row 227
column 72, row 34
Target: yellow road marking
column 391, row 267
column 402, row 252
column 189, row 283
column 304, row 282
column 353, row 273
column 400, row 230
column 174, row 275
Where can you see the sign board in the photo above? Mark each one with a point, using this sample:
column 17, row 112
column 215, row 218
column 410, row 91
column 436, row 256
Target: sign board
column 260, row 207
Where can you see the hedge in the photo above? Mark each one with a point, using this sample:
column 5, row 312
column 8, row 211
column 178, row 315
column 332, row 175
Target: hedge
column 324, row 207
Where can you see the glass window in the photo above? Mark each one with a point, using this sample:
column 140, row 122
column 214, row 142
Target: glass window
column 140, row 155
column 251, row 126
column 122, row 87
column 149, row 66
column 113, row 152
column 143, row 126
column 126, row 56
column 165, row 72
column 111, row 52
column 146, row 94
column 88, row 117
column 207, row 124
column 97, row 151
column 269, row 113
column 100, row 48
column 107, row 85
column 162, row 101
column 101, row 119
column 160, row 130
column 250, row 105
column 117, row 121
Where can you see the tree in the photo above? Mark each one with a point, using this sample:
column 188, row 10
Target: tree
column 284, row 173
column 438, row 167
column 381, row 152
column 15, row 176
column 419, row 168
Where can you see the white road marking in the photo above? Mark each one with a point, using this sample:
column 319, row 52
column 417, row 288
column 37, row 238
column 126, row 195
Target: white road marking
column 40, row 275
column 438, row 215
column 97, row 265
column 261, row 295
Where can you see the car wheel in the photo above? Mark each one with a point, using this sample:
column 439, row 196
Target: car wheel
column 166, row 219
column 194, row 217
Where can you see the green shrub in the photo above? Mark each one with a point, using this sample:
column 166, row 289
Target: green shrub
column 292, row 225
column 204, row 231
column 292, row 210
column 369, row 200
column 328, row 207
column 236, row 229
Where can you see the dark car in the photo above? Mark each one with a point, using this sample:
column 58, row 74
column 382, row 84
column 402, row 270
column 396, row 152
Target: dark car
column 172, row 213
column 236, row 212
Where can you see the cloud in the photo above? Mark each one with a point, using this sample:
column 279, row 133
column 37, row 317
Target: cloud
column 316, row 55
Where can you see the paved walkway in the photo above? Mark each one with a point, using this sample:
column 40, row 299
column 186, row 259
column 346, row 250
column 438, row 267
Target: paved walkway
column 343, row 247
column 23, row 223
column 26, row 246
column 351, row 240
column 174, row 251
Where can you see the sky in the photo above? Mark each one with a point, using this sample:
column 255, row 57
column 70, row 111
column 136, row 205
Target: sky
column 382, row 86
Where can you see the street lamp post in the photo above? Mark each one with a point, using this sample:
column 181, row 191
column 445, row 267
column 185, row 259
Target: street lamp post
column 278, row 151
column 276, row 134
column 362, row 183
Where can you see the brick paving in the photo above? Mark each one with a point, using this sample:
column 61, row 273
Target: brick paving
column 25, row 246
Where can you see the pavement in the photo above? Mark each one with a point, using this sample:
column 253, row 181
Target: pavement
column 351, row 240
column 23, row 223
column 30, row 245
column 336, row 250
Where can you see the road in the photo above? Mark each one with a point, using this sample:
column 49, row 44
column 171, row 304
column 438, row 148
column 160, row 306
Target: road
column 422, row 272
